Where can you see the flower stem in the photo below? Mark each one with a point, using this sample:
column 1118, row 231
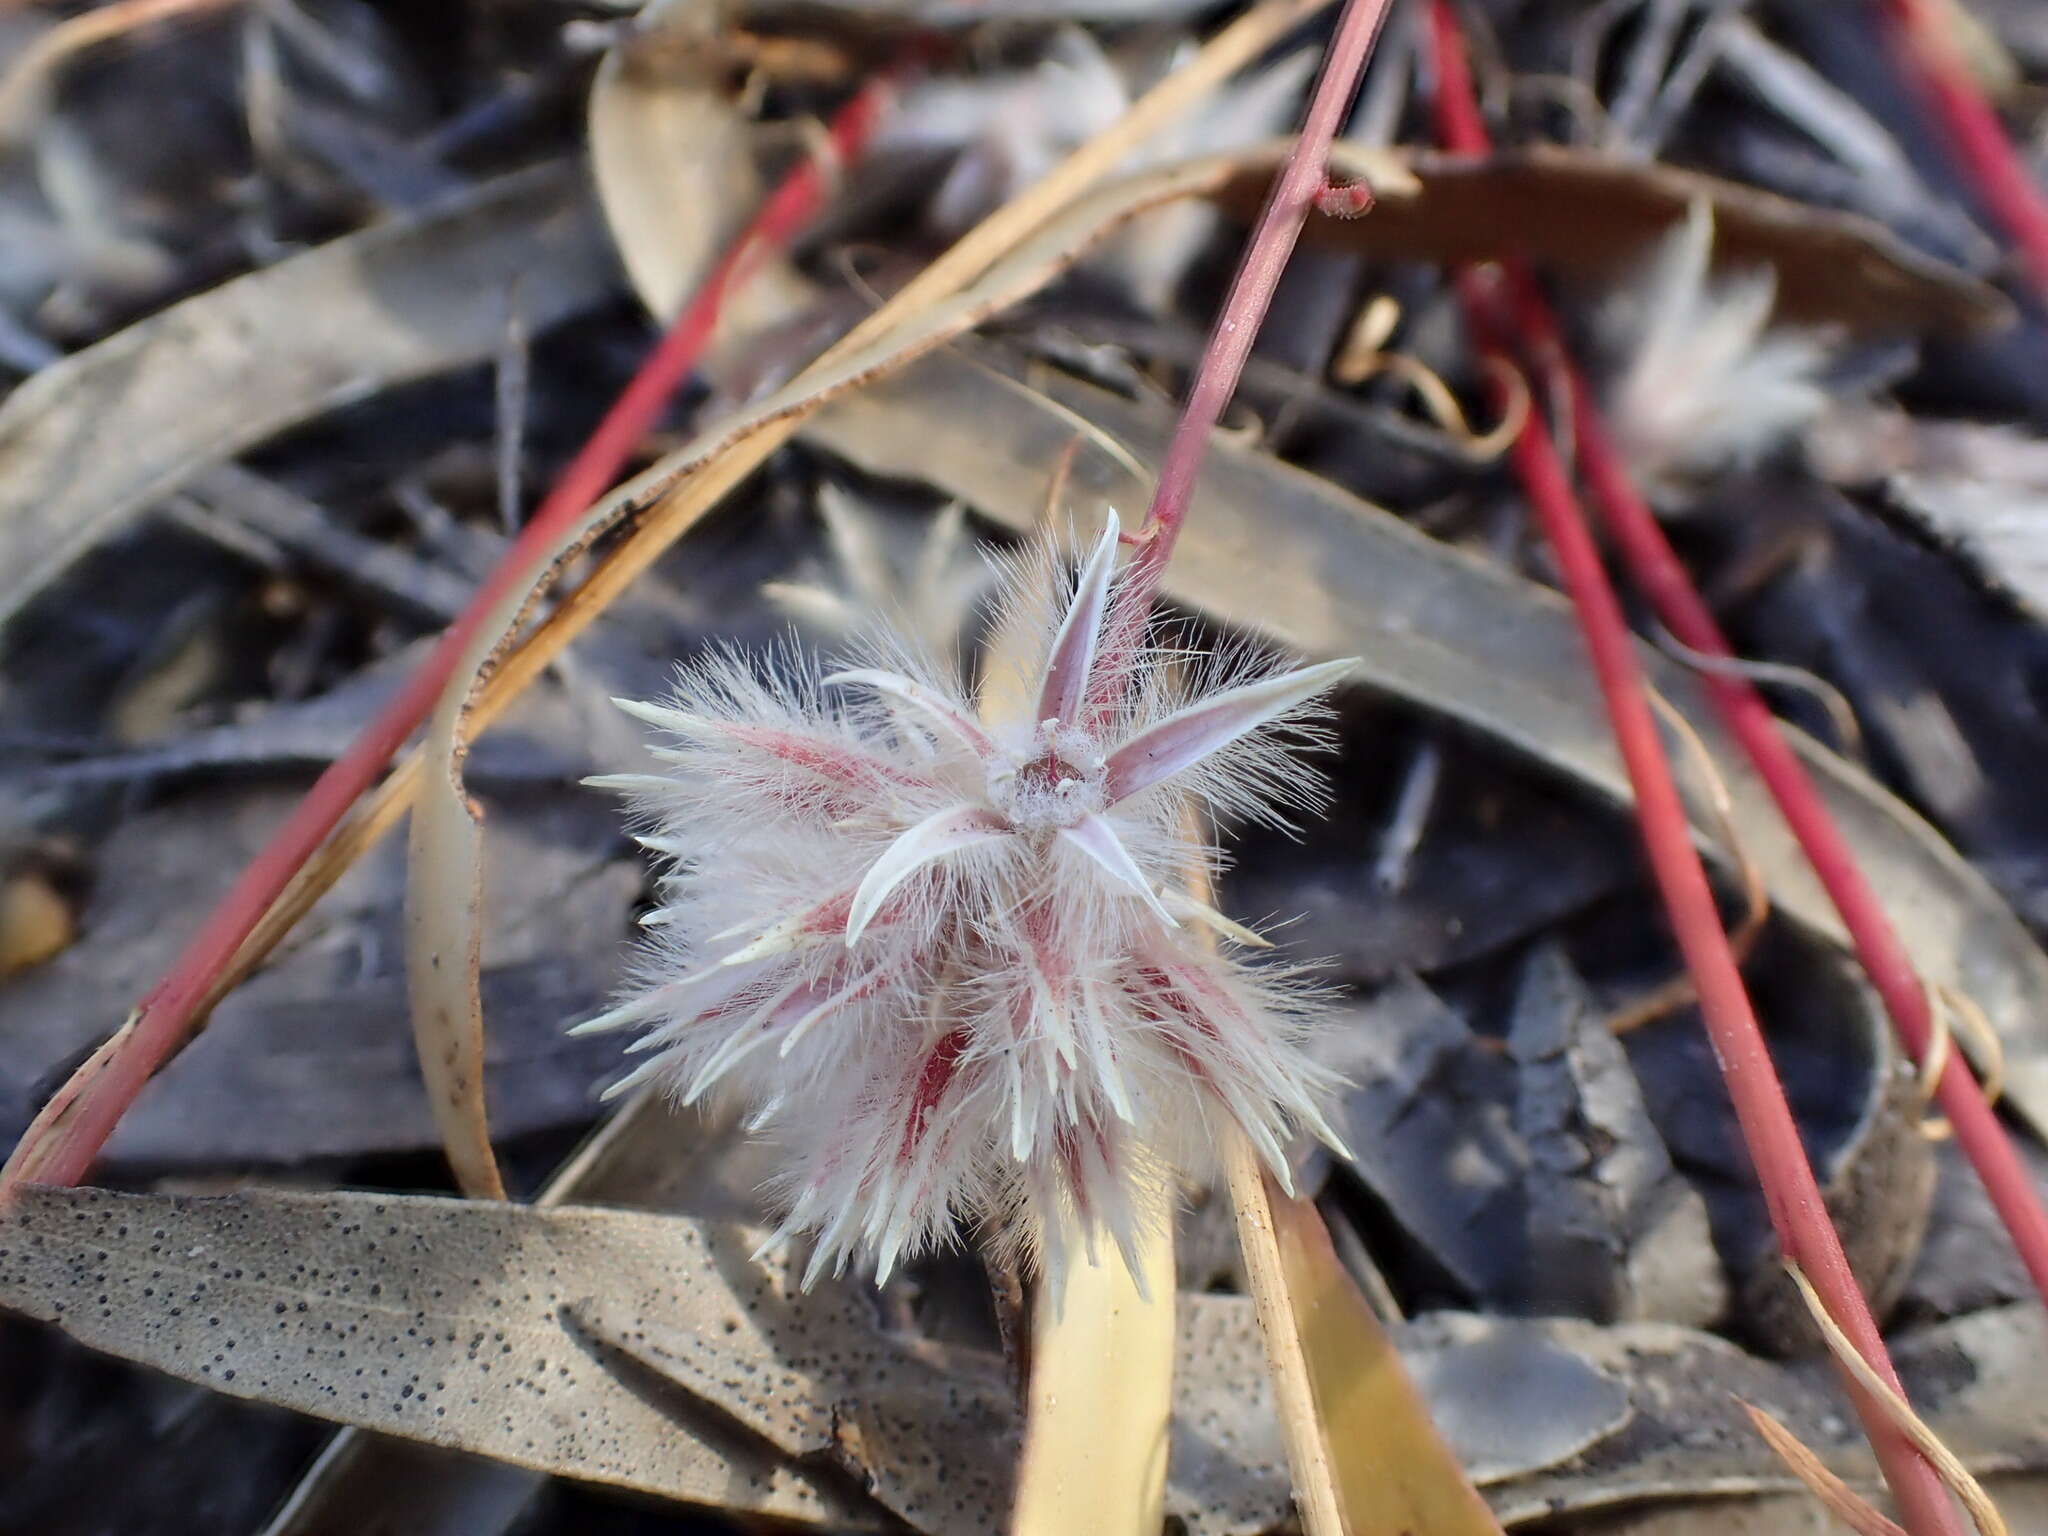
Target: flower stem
column 1977, row 139
column 1301, row 181
column 1792, row 1196
column 171, row 1012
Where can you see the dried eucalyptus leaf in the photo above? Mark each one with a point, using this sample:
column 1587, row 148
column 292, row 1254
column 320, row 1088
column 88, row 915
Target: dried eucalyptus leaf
column 1975, row 1382
column 1427, row 1122
column 648, row 1155
column 445, row 1321
column 931, row 1434
column 1595, row 216
column 87, row 444
column 497, row 1329
column 1284, row 553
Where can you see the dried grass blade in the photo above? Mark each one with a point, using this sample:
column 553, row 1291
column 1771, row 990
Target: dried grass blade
column 1366, row 1459
column 1842, row 1501
column 1102, row 1351
column 29, row 81
column 1960, row 1480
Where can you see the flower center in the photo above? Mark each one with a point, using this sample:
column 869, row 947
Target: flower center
column 1055, row 782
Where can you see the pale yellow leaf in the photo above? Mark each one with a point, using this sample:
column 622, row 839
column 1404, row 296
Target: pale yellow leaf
column 1101, row 1389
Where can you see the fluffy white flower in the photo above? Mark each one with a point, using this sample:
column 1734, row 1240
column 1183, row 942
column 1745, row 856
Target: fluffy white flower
column 944, row 953
column 1708, row 384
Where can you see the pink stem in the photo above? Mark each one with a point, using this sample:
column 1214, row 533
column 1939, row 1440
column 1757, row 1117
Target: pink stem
column 1300, row 182
column 1791, row 1193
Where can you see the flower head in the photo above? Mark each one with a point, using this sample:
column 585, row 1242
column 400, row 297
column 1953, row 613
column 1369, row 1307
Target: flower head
column 944, row 952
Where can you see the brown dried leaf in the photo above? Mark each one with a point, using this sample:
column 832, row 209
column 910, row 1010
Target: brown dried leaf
column 1597, row 217
column 36, row 921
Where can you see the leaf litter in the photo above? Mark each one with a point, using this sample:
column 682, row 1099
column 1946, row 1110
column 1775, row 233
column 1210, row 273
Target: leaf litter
column 1588, row 1138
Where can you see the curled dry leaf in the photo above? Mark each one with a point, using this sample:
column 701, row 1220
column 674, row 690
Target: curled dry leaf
column 1285, row 554
column 444, row 941
column 89, row 443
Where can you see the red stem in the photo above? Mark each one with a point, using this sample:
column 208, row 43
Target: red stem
column 1791, row 1194
column 1663, row 578
column 1976, row 137
column 1295, row 190
column 168, row 1015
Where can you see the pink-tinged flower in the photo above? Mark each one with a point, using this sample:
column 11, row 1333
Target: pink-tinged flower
column 945, row 953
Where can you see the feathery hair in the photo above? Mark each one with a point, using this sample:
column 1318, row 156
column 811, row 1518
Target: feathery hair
column 943, row 952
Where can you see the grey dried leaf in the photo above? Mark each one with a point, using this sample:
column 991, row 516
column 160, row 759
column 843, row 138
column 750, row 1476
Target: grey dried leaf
column 312, row 1057
column 88, row 444
column 445, row 1321
column 1513, row 1400
column 646, row 1156
column 1615, row 1234
column 932, row 1434
column 1975, row 1381
column 1428, row 1126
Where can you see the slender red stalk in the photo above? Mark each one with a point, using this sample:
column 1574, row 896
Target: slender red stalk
column 1792, row 1196
column 1295, row 190
column 1662, row 577
column 1978, row 140
column 168, row 1015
